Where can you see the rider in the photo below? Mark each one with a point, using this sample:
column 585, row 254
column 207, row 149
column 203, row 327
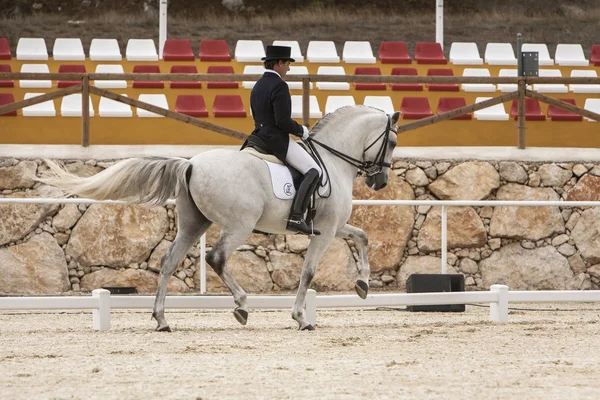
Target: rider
column 271, row 106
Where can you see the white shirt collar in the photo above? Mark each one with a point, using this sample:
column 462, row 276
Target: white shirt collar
column 273, row 72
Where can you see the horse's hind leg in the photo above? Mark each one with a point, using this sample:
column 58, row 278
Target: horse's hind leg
column 192, row 224
column 364, row 271
column 217, row 259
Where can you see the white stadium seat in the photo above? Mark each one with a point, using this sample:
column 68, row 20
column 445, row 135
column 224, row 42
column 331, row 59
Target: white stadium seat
column 335, row 102
column 252, row 70
column 584, row 88
column 465, row 53
column 358, row 53
column 33, row 49
column 297, row 70
column 110, row 69
column 332, row 85
column 296, row 53
column 542, row 50
column 509, row 87
column 71, row 106
column 570, row 55
column 592, row 105
column 45, row 109
column 493, row 113
column 550, row 87
column 159, row 100
column 39, row 68
column 384, row 103
column 141, row 50
column 112, row 108
column 315, row 110
column 477, row 87
column 249, row 51
column 500, row 54
column 105, row 50
column 68, row 50
column 322, row 52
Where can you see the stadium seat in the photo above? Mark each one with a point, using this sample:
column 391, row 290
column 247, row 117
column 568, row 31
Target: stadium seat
column 584, row 88
column 533, row 111
column 297, row 70
column 38, row 68
column 45, row 109
column 110, row 69
column 315, row 110
column 68, row 50
column 358, row 53
column 192, row 105
column 465, row 53
column 9, row 82
column 73, row 69
column 332, row 85
column 335, row 102
column 542, row 49
column 415, row 108
column 500, row 54
column 441, row 87
column 595, row 55
column 158, row 100
column 214, row 50
column 184, row 69
column 394, row 53
column 493, row 113
column 7, row 98
column 4, row 49
column 398, row 71
column 296, row 53
column 477, row 87
column 252, row 70
column 322, row 52
column 221, row 69
column 105, row 50
column 558, row 114
column 147, row 69
column 33, row 49
column 249, row 51
column 550, row 87
column 115, row 109
column 229, row 106
column 446, row 104
column 383, row 103
column 70, row 106
column 509, row 87
column 429, row 53
column 570, row 55
column 368, row 85
column 592, row 105
column 178, row 50
column 141, row 50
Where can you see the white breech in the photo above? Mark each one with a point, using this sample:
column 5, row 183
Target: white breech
column 298, row 158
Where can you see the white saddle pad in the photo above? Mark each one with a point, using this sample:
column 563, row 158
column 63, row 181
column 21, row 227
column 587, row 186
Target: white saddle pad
column 281, row 178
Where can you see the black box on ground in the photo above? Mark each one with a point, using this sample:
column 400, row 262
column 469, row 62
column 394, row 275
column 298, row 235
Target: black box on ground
column 428, row 283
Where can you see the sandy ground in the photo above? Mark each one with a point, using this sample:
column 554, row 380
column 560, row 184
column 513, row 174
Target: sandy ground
column 353, row 354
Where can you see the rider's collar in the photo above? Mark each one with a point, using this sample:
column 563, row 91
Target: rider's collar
column 273, row 72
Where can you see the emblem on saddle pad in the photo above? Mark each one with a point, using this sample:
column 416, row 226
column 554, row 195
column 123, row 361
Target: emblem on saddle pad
column 288, row 189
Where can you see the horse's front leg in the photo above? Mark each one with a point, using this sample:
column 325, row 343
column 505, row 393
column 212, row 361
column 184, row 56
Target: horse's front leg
column 364, row 270
column 316, row 249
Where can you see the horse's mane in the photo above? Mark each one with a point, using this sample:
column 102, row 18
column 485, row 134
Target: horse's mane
column 341, row 114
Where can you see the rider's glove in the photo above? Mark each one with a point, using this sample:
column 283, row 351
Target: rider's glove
column 305, row 133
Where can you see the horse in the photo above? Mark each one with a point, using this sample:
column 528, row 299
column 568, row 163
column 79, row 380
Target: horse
column 232, row 189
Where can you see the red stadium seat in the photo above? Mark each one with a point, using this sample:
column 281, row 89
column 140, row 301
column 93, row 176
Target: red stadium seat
column 4, row 49
column 229, row 105
column 429, row 53
column 416, row 87
column 185, row 69
column 394, row 53
column 415, row 107
column 446, row 104
column 595, row 56
column 178, row 50
column 192, row 105
column 533, row 111
column 558, row 114
column 368, row 85
column 221, row 69
column 6, row 83
column 441, row 87
column 70, row 68
column 7, row 98
column 147, row 69
column 214, row 50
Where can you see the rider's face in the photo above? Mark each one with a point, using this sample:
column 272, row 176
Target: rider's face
column 282, row 68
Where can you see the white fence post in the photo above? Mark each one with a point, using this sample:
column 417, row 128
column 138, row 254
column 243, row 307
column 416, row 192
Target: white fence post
column 444, row 239
column 101, row 319
column 499, row 310
column 311, row 306
column 203, row 264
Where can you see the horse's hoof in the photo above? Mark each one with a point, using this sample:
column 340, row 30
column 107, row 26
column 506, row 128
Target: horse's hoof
column 241, row 315
column 308, row 327
column 163, row 329
column 362, row 289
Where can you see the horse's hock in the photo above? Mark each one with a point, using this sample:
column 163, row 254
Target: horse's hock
column 46, row 249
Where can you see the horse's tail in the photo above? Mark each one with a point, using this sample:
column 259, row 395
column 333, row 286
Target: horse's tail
column 151, row 180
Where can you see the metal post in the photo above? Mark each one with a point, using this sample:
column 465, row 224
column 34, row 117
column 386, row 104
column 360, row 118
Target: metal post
column 519, row 55
column 85, row 111
column 444, row 239
column 306, row 102
column 203, row 264
column 499, row 310
column 439, row 22
column 101, row 315
column 311, row 306
column 162, row 27
column 521, row 124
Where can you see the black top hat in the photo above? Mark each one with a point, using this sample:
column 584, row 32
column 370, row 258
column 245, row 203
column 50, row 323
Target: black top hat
column 278, row 53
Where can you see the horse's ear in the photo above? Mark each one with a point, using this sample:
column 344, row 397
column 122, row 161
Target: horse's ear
column 396, row 117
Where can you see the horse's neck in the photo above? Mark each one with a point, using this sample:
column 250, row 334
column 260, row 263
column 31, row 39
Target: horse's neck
column 343, row 142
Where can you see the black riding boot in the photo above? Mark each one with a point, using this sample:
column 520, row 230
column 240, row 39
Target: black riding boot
column 296, row 222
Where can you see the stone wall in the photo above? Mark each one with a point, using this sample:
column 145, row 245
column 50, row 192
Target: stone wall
column 47, row 249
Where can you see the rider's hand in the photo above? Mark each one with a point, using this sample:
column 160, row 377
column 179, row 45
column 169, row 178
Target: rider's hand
column 305, row 133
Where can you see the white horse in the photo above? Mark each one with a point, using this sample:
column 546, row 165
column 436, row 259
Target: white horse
column 233, row 190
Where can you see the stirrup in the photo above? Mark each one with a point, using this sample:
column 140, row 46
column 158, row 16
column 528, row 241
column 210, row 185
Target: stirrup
column 299, row 226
